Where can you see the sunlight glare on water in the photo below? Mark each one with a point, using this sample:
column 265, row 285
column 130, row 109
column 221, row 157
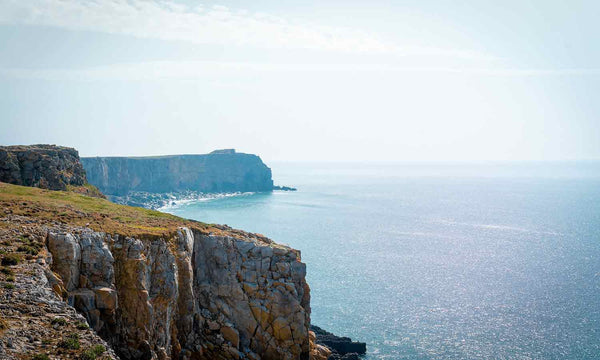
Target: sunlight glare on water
column 440, row 261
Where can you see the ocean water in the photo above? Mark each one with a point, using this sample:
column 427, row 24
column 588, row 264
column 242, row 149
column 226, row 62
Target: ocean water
column 440, row 261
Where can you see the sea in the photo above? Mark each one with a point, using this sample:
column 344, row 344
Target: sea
column 439, row 260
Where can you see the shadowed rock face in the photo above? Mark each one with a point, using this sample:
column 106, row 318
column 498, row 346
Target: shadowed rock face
column 342, row 348
column 45, row 166
column 197, row 296
column 219, row 171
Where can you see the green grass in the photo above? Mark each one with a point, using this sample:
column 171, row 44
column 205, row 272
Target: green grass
column 93, row 352
column 11, row 259
column 70, row 342
column 27, row 249
column 74, row 209
column 86, row 189
column 10, row 286
column 81, row 210
column 40, row 357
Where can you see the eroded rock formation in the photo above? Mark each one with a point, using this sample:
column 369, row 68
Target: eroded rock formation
column 196, row 296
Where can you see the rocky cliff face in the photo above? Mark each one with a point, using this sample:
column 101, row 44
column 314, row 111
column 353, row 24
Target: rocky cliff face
column 219, row 171
column 196, row 296
column 45, row 166
column 150, row 285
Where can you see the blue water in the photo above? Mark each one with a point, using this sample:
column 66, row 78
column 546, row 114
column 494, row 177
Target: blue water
column 440, row 261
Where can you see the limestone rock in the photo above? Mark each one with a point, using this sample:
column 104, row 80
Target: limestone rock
column 230, row 334
column 106, row 298
column 46, row 166
column 197, row 296
column 67, row 250
column 317, row 351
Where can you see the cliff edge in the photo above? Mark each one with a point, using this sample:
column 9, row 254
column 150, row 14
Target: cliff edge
column 85, row 278
column 151, row 285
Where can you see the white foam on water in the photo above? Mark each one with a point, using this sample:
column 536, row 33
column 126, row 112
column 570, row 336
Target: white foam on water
column 178, row 202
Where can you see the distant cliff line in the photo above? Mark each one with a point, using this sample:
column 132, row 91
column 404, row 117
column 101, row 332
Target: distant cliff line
column 221, row 171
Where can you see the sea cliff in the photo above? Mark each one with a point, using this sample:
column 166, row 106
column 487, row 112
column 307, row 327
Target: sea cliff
column 151, row 285
column 196, row 295
column 86, row 278
column 218, row 172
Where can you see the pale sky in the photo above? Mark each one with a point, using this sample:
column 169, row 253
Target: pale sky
column 304, row 80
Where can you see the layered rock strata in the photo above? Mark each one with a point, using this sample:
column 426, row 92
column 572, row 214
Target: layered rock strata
column 196, row 296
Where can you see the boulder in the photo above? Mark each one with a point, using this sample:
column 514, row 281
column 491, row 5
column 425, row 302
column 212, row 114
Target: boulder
column 106, row 298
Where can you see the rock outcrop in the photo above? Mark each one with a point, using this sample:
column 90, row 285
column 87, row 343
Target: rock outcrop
column 196, row 296
column 45, row 166
column 149, row 284
column 341, row 348
column 35, row 322
column 217, row 172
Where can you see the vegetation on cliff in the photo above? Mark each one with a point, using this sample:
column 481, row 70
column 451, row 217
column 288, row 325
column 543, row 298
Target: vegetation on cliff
column 126, row 269
column 80, row 210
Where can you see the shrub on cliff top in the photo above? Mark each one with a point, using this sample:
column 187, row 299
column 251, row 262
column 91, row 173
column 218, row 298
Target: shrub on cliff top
column 71, row 342
column 88, row 355
column 93, row 352
column 11, row 259
column 82, row 326
column 28, row 249
column 99, row 349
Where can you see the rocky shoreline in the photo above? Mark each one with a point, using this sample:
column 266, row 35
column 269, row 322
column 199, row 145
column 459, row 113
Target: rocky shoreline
column 158, row 201
column 342, row 348
column 284, row 188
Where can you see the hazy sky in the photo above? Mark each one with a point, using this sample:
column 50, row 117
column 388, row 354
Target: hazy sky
column 304, row 80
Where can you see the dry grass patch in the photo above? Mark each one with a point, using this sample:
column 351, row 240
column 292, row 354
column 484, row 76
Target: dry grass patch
column 48, row 206
column 97, row 213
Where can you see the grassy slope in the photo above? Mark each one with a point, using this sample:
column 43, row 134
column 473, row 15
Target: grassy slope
column 99, row 214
